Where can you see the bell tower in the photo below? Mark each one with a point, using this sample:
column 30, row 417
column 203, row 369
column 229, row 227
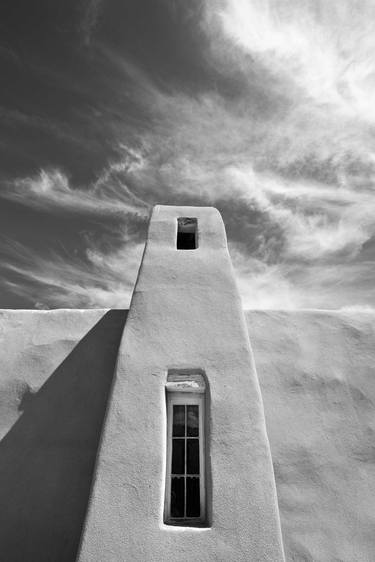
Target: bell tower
column 184, row 470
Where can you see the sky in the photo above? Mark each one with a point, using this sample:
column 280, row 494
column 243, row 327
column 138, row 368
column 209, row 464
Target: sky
column 262, row 108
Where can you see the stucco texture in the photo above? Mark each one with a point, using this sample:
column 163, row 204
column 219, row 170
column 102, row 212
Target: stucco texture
column 55, row 375
column 316, row 372
column 317, row 375
column 185, row 313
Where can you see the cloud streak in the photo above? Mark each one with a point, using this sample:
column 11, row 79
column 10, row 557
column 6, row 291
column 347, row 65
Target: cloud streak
column 90, row 17
column 103, row 280
column 109, row 194
column 278, row 135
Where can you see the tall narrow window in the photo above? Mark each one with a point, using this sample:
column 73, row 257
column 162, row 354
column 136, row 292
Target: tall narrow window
column 185, row 486
column 187, row 233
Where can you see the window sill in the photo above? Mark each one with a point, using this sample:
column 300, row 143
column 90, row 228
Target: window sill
column 195, row 527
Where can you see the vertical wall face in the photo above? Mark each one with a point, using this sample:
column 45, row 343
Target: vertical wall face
column 185, row 313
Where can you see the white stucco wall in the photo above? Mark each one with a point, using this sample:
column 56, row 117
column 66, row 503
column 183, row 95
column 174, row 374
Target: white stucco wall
column 56, row 369
column 317, row 375
column 185, row 313
column 316, row 371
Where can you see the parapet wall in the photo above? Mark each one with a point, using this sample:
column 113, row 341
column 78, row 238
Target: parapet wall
column 55, row 375
column 316, row 372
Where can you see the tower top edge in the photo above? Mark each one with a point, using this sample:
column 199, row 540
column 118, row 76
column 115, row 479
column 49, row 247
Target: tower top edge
column 174, row 211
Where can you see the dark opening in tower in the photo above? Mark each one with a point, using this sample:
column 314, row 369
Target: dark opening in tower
column 187, row 238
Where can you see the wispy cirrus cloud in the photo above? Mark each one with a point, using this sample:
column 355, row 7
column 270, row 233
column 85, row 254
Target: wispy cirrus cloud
column 90, row 16
column 103, row 280
column 275, row 127
column 109, row 194
column 325, row 50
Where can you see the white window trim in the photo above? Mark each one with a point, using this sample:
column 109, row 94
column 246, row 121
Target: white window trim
column 183, row 396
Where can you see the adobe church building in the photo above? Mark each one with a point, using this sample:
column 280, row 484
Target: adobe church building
column 187, row 429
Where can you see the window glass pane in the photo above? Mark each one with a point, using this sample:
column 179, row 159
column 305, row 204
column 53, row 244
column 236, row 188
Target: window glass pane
column 192, row 452
column 177, row 497
column 193, row 421
column 178, row 456
column 192, row 497
column 178, row 421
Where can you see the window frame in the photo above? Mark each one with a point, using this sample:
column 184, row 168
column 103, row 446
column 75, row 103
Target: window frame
column 187, row 399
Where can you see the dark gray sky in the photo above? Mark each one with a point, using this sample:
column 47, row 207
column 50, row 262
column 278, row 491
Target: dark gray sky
column 263, row 109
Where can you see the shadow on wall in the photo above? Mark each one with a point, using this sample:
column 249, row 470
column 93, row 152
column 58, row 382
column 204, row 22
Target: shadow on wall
column 47, row 458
